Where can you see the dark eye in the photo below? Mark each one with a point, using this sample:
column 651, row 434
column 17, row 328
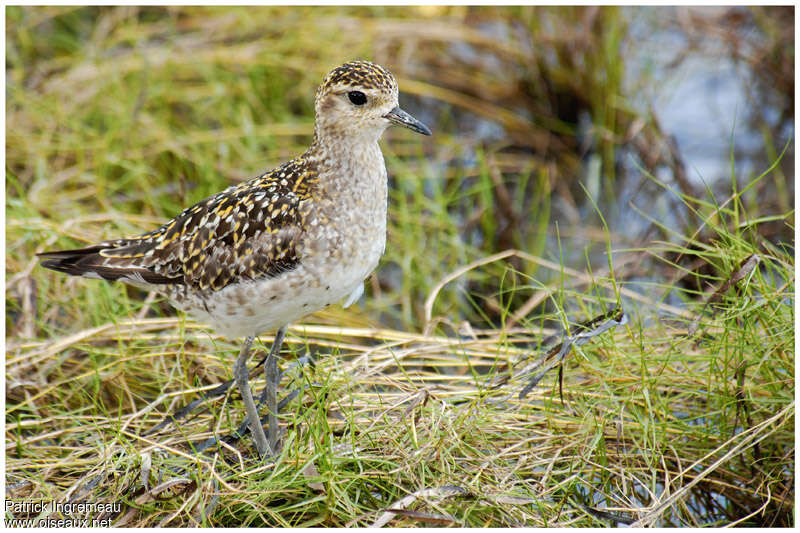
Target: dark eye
column 357, row 97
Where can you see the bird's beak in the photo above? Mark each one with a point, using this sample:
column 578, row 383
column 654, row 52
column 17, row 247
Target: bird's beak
column 400, row 117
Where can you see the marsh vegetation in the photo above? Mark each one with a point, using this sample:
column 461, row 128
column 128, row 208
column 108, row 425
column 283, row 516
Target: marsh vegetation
column 583, row 159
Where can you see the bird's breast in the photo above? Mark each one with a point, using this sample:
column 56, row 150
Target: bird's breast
column 347, row 228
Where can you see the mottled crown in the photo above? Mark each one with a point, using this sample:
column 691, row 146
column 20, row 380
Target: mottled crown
column 361, row 73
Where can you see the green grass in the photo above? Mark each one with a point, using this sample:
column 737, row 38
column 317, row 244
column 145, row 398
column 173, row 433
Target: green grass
column 119, row 117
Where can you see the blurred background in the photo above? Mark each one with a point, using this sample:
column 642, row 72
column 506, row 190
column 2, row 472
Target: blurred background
column 557, row 130
column 633, row 156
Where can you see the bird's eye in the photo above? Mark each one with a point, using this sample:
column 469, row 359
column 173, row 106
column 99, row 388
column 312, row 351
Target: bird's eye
column 357, row 97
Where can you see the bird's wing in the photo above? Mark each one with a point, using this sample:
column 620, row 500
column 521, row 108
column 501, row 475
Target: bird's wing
column 247, row 231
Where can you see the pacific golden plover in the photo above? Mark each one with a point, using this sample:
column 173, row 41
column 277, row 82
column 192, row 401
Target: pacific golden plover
column 267, row 252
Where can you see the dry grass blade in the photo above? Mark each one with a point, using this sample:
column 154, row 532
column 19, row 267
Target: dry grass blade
column 745, row 438
column 437, row 493
column 744, row 270
column 581, row 277
column 172, row 487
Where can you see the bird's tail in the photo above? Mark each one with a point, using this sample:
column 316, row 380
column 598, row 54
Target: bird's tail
column 90, row 263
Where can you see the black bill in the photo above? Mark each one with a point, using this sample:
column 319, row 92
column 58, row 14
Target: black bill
column 400, row 117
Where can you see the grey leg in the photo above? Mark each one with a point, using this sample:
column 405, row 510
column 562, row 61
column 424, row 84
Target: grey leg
column 240, row 374
column 273, row 377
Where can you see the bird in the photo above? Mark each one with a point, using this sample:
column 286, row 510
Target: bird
column 269, row 251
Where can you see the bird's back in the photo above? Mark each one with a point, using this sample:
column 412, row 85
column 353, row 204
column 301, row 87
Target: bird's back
column 248, row 231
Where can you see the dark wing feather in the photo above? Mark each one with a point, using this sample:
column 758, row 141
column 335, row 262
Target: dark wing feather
column 89, row 262
column 244, row 232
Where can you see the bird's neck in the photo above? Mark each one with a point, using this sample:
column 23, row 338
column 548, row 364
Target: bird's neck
column 354, row 169
column 357, row 155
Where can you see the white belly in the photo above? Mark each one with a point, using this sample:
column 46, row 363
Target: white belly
column 256, row 307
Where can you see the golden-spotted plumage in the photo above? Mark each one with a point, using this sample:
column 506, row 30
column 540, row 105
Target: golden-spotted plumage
column 245, row 232
column 262, row 254
column 359, row 73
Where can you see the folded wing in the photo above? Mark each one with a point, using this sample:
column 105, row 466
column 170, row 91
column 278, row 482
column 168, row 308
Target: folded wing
column 249, row 231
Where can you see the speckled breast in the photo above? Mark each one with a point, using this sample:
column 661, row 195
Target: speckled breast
column 343, row 241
